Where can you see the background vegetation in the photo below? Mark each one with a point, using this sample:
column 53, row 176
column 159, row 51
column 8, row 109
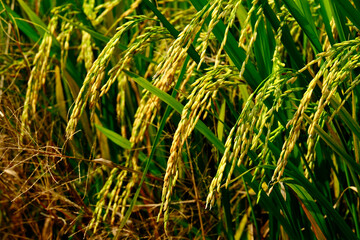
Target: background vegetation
column 138, row 119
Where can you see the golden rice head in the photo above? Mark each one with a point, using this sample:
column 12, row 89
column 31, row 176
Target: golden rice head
column 164, row 77
column 229, row 11
column 203, row 92
column 64, row 38
column 116, row 192
column 110, row 197
column 86, row 50
column 128, row 12
column 102, row 196
column 120, row 104
column 121, row 199
column 215, row 9
column 139, row 44
column 191, row 110
column 340, row 60
column 95, row 75
column 37, row 76
column 148, row 103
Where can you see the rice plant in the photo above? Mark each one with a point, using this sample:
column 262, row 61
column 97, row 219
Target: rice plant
column 199, row 119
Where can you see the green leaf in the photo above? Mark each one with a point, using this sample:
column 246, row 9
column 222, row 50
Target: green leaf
column 340, row 21
column 39, row 25
column 311, row 210
column 351, row 12
column 325, row 10
column 119, row 140
column 116, row 138
column 305, row 24
column 346, row 117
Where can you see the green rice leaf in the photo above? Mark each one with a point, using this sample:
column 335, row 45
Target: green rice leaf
column 21, row 23
column 306, row 23
column 325, row 10
column 311, row 210
column 38, row 23
column 351, row 12
column 116, row 138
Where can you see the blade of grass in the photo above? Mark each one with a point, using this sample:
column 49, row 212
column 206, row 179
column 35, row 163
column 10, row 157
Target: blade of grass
column 340, row 22
column 119, row 140
column 225, row 197
column 36, row 21
column 252, row 209
column 311, row 210
column 325, row 10
column 59, row 94
column 336, row 220
column 346, row 117
column 220, row 126
column 116, row 138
